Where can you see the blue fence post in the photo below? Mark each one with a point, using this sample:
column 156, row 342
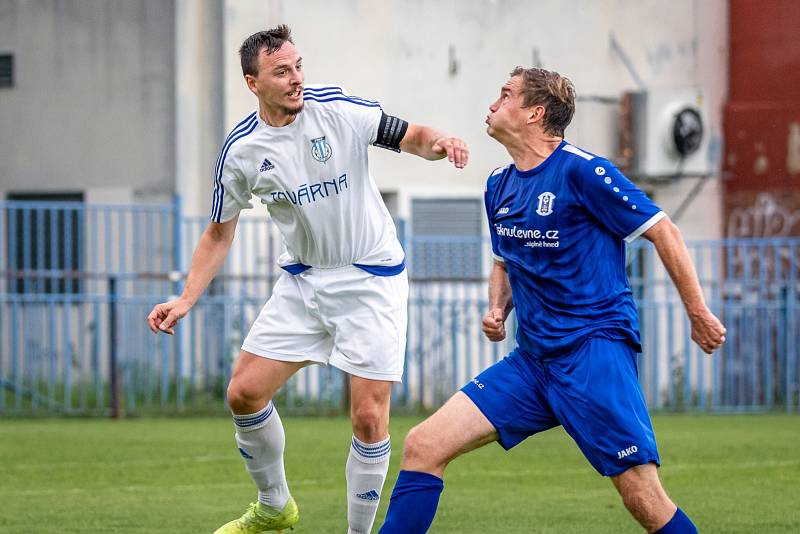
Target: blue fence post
column 112, row 346
column 178, row 270
column 401, row 237
column 791, row 332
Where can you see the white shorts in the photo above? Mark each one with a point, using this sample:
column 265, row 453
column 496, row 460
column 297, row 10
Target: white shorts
column 345, row 317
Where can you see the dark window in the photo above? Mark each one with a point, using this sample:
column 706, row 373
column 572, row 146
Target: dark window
column 6, row 70
column 45, row 242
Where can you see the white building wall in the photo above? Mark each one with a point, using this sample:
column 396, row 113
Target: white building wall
column 125, row 96
column 401, row 53
column 199, row 99
column 92, row 103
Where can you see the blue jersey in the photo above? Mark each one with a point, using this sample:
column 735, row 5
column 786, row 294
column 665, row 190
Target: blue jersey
column 561, row 230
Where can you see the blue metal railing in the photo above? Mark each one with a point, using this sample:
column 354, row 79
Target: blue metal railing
column 78, row 280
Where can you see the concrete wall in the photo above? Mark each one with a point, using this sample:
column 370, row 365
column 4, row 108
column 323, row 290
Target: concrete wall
column 401, row 53
column 92, row 108
column 199, row 99
column 119, row 98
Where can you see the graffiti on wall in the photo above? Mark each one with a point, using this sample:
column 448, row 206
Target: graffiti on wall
column 769, row 215
column 763, row 214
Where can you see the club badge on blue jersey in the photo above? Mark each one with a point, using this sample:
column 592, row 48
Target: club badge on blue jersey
column 320, row 149
column 545, row 203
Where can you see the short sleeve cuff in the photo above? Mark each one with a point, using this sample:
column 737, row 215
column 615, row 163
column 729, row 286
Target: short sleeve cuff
column 498, row 258
column 225, row 217
column 649, row 223
column 228, row 213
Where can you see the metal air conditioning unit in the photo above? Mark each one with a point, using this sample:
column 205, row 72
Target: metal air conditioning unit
column 669, row 134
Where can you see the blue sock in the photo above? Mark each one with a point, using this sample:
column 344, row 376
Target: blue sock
column 414, row 501
column 679, row 524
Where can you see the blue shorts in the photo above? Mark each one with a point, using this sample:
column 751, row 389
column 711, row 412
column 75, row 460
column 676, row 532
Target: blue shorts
column 593, row 392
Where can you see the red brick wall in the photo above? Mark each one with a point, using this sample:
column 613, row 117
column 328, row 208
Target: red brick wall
column 762, row 120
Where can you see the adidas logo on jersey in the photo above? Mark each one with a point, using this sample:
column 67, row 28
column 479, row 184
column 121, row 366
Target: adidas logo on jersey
column 266, row 165
column 371, row 495
column 502, row 211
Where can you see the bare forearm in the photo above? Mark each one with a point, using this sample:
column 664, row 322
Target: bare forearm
column 500, row 304
column 419, row 140
column 674, row 255
column 206, row 261
column 500, row 290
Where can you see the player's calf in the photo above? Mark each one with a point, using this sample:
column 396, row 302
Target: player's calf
column 370, row 449
column 365, row 472
column 646, row 500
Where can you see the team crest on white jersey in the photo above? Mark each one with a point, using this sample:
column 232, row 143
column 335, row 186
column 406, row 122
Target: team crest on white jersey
column 545, row 203
column 320, row 149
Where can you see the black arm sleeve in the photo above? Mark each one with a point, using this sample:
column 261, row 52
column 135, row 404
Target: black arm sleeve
column 391, row 131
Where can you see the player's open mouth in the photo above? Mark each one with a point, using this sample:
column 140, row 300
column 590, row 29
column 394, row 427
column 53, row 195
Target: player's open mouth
column 296, row 93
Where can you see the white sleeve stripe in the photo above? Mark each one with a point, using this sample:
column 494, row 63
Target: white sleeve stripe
column 649, row 223
column 578, row 152
column 498, row 170
column 498, row 258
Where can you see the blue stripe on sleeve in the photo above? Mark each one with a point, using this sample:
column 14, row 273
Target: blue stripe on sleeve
column 320, row 92
column 345, row 99
column 325, row 91
column 243, row 125
column 236, row 129
column 216, row 211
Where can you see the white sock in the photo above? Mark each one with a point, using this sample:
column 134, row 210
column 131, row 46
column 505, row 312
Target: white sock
column 261, row 440
column 366, row 471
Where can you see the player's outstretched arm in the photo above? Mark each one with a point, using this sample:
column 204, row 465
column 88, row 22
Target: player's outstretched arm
column 500, row 303
column 707, row 331
column 427, row 143
column 207, row 259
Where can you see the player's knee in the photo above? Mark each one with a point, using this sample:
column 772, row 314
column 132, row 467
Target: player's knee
column 369, row 422
column 420, row 450
column 243, row 399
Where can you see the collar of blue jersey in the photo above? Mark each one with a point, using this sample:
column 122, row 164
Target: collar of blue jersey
column 539, row 168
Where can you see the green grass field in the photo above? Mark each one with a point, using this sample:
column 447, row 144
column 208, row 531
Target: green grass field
column 730, row 473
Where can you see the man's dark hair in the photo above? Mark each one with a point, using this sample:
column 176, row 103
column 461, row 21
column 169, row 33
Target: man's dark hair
column 556, row 93
column 270, row 40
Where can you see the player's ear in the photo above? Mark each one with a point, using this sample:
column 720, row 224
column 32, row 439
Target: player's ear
column 535, row 114
column 251, row 83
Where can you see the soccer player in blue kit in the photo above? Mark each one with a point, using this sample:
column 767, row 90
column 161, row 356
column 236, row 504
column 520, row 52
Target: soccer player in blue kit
column 559, row 219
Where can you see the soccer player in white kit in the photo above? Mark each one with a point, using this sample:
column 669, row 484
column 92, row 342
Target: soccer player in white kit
column 342, row 300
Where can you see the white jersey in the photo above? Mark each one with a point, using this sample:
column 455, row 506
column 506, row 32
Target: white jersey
column 314, row 178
